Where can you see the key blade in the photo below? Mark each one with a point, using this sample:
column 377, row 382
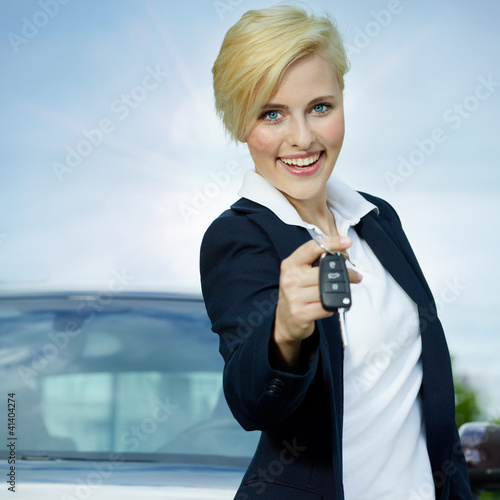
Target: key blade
column 343, row 328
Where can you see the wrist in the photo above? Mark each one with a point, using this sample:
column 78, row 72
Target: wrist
column 285, row 351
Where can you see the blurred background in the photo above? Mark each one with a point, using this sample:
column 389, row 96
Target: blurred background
column 113, row 163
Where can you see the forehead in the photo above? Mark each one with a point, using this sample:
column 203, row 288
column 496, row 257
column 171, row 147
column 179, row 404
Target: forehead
column 306, row 79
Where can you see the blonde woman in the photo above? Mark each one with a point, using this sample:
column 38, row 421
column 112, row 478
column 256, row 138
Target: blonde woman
column 375, row 419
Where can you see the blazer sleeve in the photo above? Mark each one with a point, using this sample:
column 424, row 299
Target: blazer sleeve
column 240, row 283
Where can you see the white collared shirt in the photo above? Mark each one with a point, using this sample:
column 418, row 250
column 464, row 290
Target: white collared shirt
column 384, row 448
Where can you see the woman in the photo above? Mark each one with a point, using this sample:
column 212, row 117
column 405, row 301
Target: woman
column 373, row 420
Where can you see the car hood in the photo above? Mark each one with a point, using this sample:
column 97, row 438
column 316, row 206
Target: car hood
column 101, row 480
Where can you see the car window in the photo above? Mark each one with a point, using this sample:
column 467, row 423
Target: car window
column 126, row 377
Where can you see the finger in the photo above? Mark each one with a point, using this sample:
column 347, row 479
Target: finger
column 310, row 251
column 300, row 296
column 336, row 243
column 306, row 254
column 300, row 276
column 354, row 276
column 310, row 294
column 300, row 319
column 315, row 311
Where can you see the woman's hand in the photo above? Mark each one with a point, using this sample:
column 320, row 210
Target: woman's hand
column 299, row 303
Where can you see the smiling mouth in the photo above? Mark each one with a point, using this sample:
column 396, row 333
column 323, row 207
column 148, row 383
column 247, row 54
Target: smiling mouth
column 301, row 162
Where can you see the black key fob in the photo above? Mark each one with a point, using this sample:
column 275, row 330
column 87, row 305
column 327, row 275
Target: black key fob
column 334, row 286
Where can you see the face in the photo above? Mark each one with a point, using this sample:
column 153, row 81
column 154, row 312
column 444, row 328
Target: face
column 297, row 138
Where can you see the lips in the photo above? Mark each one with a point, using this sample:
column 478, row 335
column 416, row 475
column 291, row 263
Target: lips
column 302, row 165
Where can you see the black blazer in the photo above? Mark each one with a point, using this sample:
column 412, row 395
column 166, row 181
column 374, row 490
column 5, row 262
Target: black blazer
column 299, row 456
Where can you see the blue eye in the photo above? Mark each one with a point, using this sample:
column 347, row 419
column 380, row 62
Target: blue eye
column 272, row 115
column 320, row 108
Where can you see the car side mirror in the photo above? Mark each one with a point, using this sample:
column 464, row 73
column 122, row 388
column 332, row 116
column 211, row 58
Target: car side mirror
column 481, row 446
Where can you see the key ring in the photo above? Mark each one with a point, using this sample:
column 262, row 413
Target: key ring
column 314, row 234
column 316, row 237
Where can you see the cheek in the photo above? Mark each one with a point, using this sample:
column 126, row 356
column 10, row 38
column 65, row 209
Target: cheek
column 335, row 130
column 261, row 142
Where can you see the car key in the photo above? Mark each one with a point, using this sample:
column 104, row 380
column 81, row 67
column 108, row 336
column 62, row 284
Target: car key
column 335, row 291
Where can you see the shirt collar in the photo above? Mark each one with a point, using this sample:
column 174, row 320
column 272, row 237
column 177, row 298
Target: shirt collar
column 347, row 205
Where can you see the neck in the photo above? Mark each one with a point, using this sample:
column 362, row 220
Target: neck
column 315, row 211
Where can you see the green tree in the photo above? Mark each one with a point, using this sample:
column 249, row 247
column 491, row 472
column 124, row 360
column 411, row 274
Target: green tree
column 466, row 402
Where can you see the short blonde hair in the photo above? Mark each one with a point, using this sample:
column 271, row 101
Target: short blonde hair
column 256, row 52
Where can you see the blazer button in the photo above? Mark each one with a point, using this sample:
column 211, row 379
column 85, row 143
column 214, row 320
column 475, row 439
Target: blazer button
column 274, row 387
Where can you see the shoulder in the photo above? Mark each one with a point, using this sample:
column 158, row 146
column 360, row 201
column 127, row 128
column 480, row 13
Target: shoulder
column 237, row 221
column 234, row 246
column 250, row 226
column 233, row 233
column 245, row 219
column 386, row 210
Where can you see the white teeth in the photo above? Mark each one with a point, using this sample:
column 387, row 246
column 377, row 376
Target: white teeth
column 301, row 162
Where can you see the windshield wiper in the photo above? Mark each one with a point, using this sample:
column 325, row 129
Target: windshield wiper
column 50, row 456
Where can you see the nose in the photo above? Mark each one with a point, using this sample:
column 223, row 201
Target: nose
column 301, row 135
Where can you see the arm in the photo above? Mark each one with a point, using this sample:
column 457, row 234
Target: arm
column 269, row 362
column 240, row 283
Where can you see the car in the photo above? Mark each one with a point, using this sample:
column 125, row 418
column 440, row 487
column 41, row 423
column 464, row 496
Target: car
column 115, row 395
column 481, row 445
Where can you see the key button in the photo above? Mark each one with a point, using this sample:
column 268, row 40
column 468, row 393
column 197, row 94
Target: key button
column 337, row 287
column 334, row 276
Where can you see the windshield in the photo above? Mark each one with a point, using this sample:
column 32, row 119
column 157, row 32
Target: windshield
column 130, row 377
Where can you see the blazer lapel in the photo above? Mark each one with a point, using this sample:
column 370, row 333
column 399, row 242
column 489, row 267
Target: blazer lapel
column 286, row 238
column 390, row 255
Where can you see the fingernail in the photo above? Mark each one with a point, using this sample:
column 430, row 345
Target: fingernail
column 345, row 241
column 360, row 276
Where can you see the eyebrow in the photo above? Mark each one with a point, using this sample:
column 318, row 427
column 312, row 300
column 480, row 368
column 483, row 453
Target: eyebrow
column 280, row 107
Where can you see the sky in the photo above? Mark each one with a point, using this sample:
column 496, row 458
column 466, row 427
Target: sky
column 112, row 160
